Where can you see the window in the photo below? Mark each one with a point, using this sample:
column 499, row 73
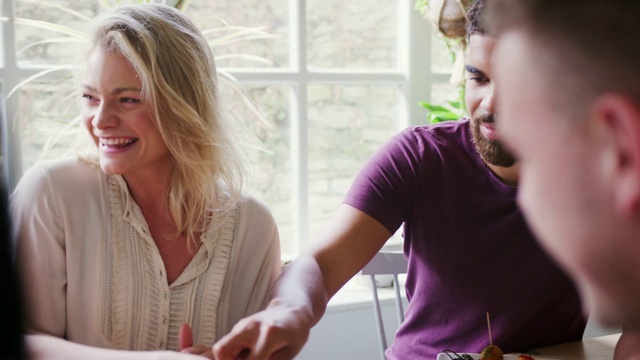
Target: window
column 333, row 79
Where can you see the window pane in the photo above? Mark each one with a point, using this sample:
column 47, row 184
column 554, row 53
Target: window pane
column 443, row 92
column 346, row 125
column 267, row 145
column 272, row 16
column 2, row 46
column 219, row 20
column 351, row 34
column 441, row 56
column 45, row 111
column 46, row 46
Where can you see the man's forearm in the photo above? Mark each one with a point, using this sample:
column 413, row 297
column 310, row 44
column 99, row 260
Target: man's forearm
column 302, row 288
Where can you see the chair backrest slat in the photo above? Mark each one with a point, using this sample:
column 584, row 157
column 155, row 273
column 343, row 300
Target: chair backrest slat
column 386, row 263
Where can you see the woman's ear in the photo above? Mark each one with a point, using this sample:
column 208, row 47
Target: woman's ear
column 620, row 117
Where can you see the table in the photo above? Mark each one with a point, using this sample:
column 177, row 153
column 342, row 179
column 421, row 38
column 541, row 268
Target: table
column 598, row 348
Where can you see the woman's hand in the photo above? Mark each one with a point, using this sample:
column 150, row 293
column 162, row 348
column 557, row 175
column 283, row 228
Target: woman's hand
column 185, row 343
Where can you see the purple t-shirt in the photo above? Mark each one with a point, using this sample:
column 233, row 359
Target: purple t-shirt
column 469, row 249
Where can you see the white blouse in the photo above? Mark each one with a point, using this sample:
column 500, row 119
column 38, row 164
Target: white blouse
column 93, row 275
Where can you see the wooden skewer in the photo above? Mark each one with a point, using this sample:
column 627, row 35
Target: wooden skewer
column 489, row 327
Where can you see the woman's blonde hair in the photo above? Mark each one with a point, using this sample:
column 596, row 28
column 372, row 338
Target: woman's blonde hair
column 178, row 75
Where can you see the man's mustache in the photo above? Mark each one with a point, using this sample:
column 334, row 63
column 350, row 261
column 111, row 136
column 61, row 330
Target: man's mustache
column 487, row 118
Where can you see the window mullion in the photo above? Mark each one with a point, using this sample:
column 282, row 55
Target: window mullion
column 324, row 76
column 10, row 75
column 417, row 62
column 299, row 121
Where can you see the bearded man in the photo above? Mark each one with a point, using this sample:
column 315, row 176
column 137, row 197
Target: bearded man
column 452, row 186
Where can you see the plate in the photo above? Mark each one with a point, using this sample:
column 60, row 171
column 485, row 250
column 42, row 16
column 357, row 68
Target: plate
column 443, row 356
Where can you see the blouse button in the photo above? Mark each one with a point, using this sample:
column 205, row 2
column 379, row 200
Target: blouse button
column 164, row 320
column 162, row 343
column 165, row 296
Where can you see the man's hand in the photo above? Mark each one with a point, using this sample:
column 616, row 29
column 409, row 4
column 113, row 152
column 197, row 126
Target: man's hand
column 277, row 333
column 301, row 294
column 185, row 343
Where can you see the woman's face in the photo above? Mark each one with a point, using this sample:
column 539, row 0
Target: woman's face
column 120, row 123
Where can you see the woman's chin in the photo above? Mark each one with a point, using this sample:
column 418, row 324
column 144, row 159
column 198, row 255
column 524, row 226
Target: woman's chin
column 110, row 169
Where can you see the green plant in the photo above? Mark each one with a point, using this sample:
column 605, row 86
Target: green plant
column 452, row 110
column 449, row 26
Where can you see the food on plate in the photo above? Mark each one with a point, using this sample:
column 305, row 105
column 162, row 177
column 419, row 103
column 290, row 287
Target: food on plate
column 452, row 355
column 455, row 356
column 491, row 352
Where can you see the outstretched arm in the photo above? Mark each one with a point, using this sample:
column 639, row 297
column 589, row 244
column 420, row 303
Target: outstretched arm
column 301, row 294
column 54, row 348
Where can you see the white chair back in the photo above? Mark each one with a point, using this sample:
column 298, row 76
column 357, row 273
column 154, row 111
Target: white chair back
column 386, row 263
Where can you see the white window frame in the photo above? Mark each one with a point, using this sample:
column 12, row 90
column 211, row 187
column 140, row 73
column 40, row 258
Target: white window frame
column 413, row 76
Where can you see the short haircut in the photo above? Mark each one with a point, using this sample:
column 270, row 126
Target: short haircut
column 475, row 19
column 592, row 47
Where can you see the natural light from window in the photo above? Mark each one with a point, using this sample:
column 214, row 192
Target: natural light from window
column 313, row 89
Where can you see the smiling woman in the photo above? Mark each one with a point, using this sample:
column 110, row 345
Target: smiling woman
column 151, row 229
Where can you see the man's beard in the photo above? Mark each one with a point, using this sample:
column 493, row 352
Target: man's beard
column 491, row 151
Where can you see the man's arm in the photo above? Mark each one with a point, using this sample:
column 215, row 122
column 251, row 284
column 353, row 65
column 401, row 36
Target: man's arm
column 300, row 296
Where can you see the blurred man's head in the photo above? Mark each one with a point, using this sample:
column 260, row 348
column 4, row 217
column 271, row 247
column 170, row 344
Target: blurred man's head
column 479, row 90
column 569, row 85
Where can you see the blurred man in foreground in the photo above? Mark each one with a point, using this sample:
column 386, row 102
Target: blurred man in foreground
column 568, row 79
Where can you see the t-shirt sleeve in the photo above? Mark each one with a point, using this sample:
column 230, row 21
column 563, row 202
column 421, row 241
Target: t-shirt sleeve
column 385, row 186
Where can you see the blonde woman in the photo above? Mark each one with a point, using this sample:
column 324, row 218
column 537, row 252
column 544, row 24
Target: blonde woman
column 121, row 247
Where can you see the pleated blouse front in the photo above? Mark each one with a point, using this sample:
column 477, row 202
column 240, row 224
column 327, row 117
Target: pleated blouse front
column 104, row 282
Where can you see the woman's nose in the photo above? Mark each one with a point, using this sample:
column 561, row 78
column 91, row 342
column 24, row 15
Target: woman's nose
column 104, row 117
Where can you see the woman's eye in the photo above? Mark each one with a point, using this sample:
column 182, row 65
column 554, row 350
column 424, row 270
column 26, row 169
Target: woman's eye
column 89, row 98
column 130, row 100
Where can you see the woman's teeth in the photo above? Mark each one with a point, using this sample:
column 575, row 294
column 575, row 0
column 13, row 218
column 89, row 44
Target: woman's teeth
column 117, row 142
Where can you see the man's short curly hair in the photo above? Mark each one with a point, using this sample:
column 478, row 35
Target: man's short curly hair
column 475, row 18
